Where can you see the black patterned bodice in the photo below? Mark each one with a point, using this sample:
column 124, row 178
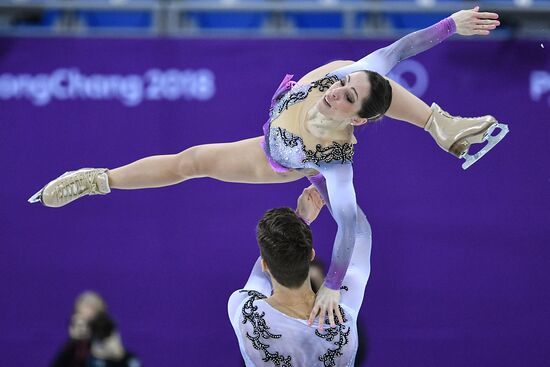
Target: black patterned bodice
column 288, row 149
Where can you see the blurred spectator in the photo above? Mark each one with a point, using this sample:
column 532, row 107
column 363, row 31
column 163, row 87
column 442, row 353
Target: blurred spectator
column 107, row 349
column 76, row 350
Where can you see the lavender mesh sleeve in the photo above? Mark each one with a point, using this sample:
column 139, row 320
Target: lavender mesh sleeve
column 335, row 184
column 358, row 271
column 384, row 59
column 358, row 267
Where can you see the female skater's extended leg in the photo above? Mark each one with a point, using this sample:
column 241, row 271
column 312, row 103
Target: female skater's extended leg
column 243, row 161
column 407, row 107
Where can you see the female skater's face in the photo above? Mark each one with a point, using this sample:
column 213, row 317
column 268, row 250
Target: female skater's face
column 344, row 98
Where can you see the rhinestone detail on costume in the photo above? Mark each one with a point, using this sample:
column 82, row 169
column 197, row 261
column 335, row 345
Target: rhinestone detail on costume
column 300, row 92
column 341, row 331
column 295, row 150
column 339, row 335
column 294, row 154
column 261, row 330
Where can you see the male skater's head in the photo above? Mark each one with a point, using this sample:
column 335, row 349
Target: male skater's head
column 285, row 243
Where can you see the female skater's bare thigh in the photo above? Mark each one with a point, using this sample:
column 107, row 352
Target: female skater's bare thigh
column 243, row 161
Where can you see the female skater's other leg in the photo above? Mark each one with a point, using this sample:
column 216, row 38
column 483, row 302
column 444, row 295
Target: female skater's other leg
column 243, row 161
column 453, row 134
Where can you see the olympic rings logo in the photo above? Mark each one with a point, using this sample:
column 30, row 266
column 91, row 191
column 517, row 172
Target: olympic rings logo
column 412, row 75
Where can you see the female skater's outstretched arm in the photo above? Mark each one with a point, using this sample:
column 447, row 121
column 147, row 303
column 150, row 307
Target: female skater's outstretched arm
column 405, row 106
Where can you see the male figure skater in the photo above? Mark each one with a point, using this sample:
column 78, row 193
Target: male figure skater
column 270, row 313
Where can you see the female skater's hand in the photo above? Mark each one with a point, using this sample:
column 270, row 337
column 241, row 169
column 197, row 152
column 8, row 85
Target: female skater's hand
column 309, row 204
column 326, row 302
column 472, row 22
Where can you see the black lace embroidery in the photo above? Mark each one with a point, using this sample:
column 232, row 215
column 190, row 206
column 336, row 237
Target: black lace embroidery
column 291, row 99
column 289, row 139
column 321, row 84
column 334, row 152
column 339, row 335
column 342, row 332
column 342, row 153
column 324, row 83
column 261, row 330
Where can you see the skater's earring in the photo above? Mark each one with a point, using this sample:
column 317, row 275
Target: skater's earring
column 358, row 121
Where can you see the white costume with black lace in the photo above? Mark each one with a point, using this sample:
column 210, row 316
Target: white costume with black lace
column 268, row 337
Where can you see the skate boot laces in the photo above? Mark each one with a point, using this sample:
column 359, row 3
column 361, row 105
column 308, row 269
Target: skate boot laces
column 78, row 185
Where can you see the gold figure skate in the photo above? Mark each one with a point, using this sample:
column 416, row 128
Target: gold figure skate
column 73, row 185
column 456, row 134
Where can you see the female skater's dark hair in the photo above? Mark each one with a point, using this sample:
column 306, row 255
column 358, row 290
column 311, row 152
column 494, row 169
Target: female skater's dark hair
column 285, row 244
column 376, row 105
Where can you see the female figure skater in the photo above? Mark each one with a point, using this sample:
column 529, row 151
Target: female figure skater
column 310, row 133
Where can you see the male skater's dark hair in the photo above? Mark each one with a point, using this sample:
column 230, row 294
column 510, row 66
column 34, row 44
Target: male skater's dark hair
column 285, row 244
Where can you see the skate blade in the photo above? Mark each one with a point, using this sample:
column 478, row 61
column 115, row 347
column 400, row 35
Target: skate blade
column 36, row 198
column 492, row 141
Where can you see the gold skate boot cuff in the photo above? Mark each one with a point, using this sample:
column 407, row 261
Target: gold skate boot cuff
column 102, row 181
column 429, row 122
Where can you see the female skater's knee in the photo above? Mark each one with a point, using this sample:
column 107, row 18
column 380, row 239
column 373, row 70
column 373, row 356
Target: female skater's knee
column 187, row 163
